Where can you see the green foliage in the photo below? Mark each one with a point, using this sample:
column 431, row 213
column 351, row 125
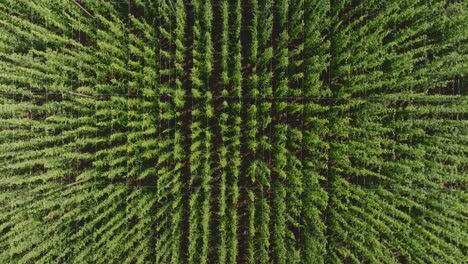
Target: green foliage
column 231, row 131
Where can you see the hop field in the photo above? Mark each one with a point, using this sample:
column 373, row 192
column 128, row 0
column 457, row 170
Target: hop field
column 233, row 131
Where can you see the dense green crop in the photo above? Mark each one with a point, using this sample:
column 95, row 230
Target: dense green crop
column 233, row 131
